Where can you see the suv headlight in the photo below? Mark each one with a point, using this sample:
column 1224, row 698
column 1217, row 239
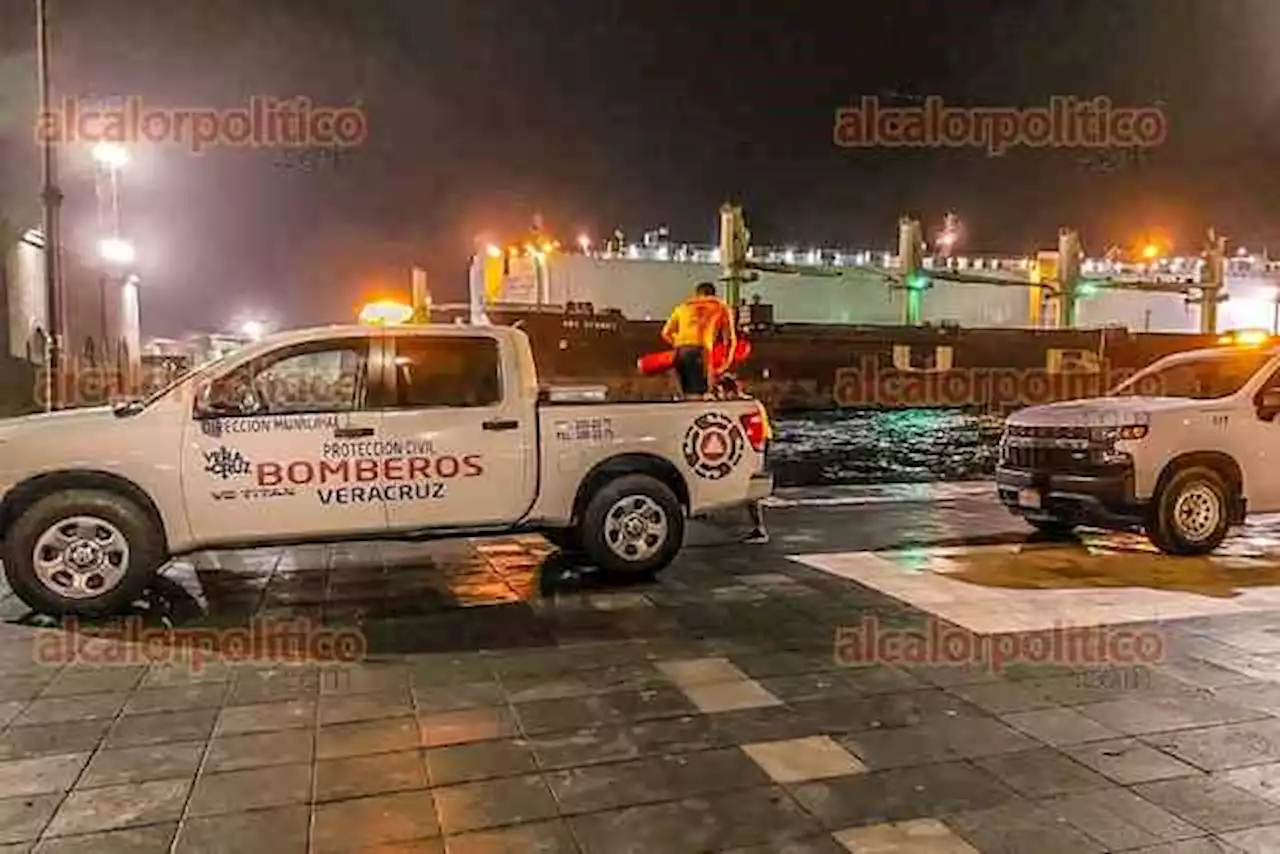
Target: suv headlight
column 1124, row 433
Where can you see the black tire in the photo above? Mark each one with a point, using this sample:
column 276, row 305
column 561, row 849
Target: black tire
column 1206, row 532
column 565, row 539
column 1054, row 528
column 650, row 496
column 146, row 551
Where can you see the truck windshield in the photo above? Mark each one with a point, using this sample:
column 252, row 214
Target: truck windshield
column 1205, row 378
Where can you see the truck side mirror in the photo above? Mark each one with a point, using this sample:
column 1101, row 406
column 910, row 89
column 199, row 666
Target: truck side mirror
column 1269, row 404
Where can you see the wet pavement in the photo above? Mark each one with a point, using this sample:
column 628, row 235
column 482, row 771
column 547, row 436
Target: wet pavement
column 904, row 669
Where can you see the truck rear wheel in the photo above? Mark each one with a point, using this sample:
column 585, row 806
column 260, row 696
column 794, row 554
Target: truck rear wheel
column 1191, row 514
column 632, row 527
column 85, row 553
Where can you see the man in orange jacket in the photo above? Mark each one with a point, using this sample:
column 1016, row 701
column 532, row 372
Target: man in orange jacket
column 693, row 330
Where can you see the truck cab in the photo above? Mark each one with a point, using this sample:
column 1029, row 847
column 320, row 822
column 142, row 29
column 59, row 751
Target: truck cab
column 1183, row 450
column 357, row 432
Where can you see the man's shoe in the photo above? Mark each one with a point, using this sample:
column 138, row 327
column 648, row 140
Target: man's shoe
column 757, row 538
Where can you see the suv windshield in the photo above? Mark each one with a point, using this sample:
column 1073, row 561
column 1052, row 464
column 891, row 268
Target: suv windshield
column 1204, row 378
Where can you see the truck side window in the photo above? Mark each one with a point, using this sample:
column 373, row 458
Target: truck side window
column 324, row 377
column 447, row 371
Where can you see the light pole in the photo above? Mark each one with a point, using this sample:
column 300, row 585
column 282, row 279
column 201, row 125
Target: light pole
column 109, row 158
column 51, row 201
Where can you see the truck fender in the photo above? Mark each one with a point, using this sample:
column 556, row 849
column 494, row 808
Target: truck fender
column 25, row 493
column 1223, row 463
column 624, row 464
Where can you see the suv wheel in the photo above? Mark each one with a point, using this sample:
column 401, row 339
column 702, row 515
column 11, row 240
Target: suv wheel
column 1192, row 512
column 82, row 552
column 633, row 527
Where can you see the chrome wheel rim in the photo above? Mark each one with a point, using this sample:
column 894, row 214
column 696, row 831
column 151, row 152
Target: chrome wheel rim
column 81, row 557
column 635, row 528
column 1197, row 512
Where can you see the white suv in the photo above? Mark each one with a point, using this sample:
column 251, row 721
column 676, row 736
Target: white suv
column 1183, row 450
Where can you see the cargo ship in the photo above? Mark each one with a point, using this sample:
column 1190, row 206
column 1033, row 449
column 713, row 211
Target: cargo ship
column 836, row 329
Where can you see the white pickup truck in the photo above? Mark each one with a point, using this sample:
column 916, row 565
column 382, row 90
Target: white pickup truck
column 347, row 433
column 1183, row 450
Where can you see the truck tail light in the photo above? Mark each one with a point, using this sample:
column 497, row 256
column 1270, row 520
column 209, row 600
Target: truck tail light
column 753, row 426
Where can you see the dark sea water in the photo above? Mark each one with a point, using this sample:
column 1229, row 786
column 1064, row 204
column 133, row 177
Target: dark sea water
column 913, row 445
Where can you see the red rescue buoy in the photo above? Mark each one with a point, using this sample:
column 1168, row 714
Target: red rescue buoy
column 655, row 363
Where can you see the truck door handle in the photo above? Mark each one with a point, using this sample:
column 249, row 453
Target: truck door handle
column 500, row 424
column 351, row 432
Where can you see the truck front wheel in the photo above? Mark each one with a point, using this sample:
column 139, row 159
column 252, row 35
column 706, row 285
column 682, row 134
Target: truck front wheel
column 632, row 527
column 1191, row 513
column 85, row 553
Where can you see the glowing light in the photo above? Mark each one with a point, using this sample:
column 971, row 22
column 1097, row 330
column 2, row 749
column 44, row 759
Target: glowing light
column 493, row 251
column 116, row 250
column 112, row 155
column 385, row 313
column 1246, row 338
column 1151, row 251
column 584, row 242
column 253, row 329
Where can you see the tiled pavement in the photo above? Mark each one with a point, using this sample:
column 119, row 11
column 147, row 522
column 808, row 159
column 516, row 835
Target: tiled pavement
column 506, row 704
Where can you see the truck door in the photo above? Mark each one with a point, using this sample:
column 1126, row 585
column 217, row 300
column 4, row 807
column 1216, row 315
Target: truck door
column 469, row 436
column 285, row 447
column 1261, row 460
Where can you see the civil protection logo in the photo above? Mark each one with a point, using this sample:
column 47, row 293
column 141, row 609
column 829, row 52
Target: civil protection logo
column 713, row 445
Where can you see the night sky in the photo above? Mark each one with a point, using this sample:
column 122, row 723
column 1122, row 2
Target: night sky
column 636, row 114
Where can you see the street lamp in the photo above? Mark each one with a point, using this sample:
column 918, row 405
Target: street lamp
column 253, row 329
column 111, row 155
column 115, row 250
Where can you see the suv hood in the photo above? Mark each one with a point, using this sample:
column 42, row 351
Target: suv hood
column 1101, row 411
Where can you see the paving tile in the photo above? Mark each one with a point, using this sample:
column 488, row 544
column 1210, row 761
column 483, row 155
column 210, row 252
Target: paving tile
column 900, row 794
column 358, row 776
column 1260, row 780
column 137, row 730
column 1261, row 696
column 79, row 679
column 1209, row 803
column 1002, row 696
column 468, row 725
column 570, row 713
column 922, row 835
column 280, row 831
column 708, row 771
column 112, row 807
column 649, row 703
column 1042, row 773
column 82, row 707
column 956, row 738
column 1200, row 845
column 29, row 741
column 40, row 775
column 714, row 697
column 266, row 717
column 1119, row 819
column 799, row 760
column 10, row 710
column 361, row 823
column 431, row 699
column 200, row 695
column 540, row 837
column 153, row 839
column 256, row 750
column 583, row 747
column 22, row 819
column 255, row 788
column 1128, row 761
column 1257, row 840
column 1059, row 726
column 748, row 817
column 177, row 761
column 23, row 688
column 677, row 735
column 1221, row 747
column 365, row 737
column 592, row 788
column 701, row 671
column 1020, row 826
column 824, row 844
column 1160, row 714
column 492, row 803
column 482, row 760
column 347, row 708
column 252, row 687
